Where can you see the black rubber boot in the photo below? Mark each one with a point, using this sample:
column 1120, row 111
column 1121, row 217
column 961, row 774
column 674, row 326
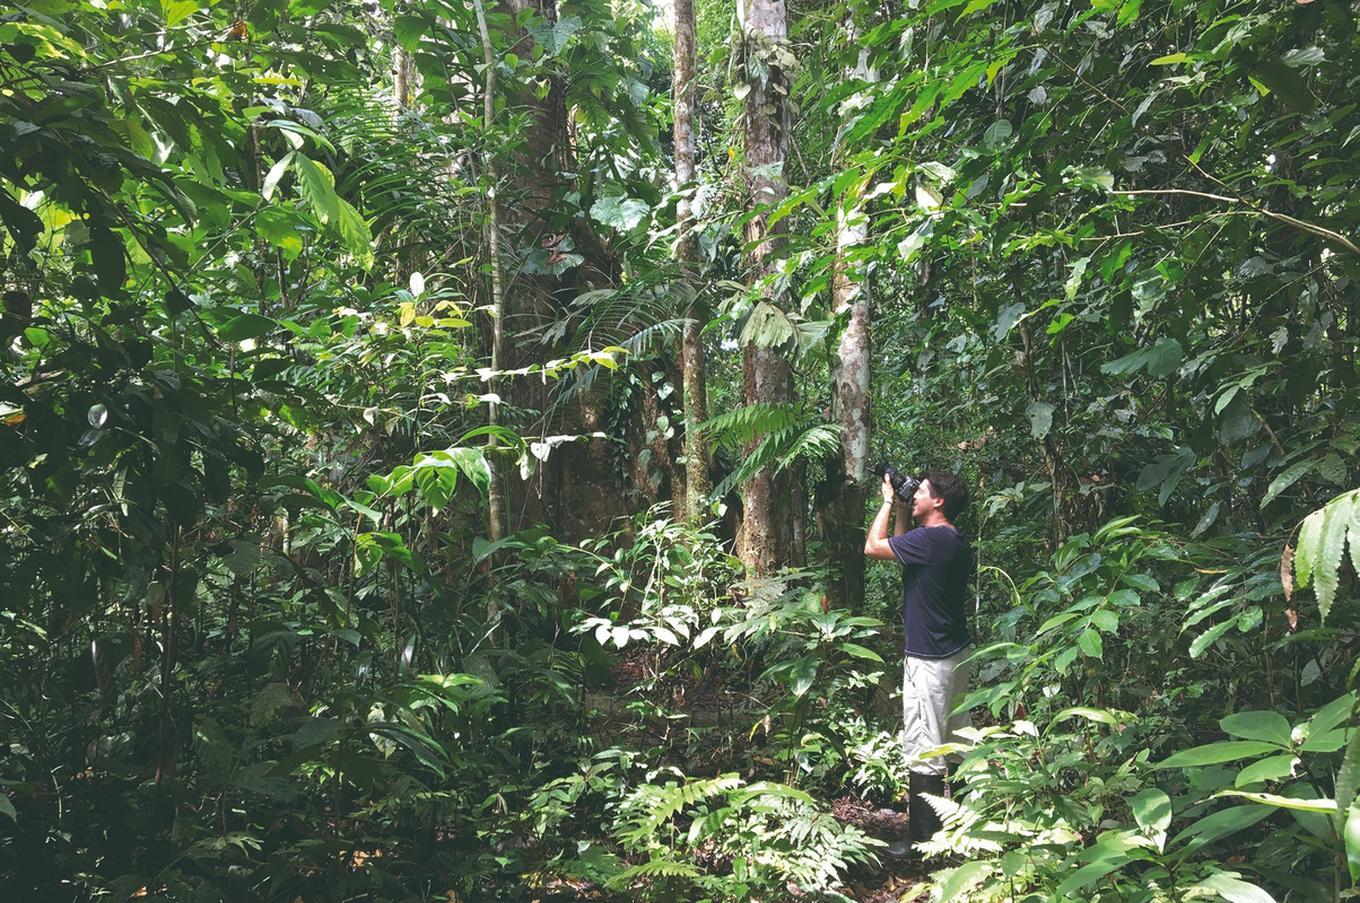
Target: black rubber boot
column 957, row 785
column 922, row 821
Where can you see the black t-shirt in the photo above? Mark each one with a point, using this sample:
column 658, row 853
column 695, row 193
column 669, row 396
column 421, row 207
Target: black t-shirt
column 937, row 563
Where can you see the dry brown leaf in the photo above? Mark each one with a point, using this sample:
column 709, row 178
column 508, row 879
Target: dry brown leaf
column 1287, row 572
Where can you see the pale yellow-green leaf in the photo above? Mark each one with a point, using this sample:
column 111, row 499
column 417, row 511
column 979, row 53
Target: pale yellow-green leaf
column 176, row 11
column 1305, row 553
column 1327, row 565
column 1324, row 805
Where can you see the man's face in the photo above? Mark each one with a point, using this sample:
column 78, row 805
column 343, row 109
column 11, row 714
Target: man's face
column 924, row 501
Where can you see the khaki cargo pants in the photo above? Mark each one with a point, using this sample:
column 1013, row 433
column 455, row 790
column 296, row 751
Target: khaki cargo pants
column 931, row 687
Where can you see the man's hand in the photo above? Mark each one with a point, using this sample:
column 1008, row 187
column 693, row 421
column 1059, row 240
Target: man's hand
column 889, row 494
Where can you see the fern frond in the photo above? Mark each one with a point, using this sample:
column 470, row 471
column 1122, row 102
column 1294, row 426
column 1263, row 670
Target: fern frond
column 817, row 441
column 780, row 449
column 649, row 807
column 656, row 867
column 749, row 423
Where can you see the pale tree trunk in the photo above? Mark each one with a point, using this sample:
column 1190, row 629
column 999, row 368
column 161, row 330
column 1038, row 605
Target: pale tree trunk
column 766, row 374
column 850, row 392
column 697, row 483
column 410, row 256
column 850, row 400
column 495, row 496
column 405, row 78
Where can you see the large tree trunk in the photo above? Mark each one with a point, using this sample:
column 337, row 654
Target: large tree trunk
column 695, row 391
column 767, row 534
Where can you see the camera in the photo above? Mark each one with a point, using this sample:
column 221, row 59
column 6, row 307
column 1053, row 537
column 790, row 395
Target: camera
column 904, row 485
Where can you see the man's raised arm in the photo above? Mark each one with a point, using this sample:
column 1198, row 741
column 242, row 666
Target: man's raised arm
column 876, row 542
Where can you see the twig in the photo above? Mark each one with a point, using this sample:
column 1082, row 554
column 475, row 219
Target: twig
column 1311, row 228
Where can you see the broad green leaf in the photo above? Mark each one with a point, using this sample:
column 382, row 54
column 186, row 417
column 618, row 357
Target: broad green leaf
column 1206, row 639
column 7, row 808
column 1328, row 741
column 1152, row 810
column 408, row 31
column 246, row 326
column 1168, row 470
column 1271, row 768
column 1056, row 621
column 802, row 674
column 1105, row 620
column 1006, row 320
column 281, row 227
column 620, row 212
column 1090, row 643
column 1272, row 727
column 1304, row 56
column 176, row 11
column 858, row 651
column 1219, row 824
column 1231, row 887
column 318, row 189
column 1287, row 478
column 1102, row 716
column 1159, row 360
column 1217, row 753
column 1111, row 852
column 962, row 879
column 1331, row 714
column 997, row 133
column 1165, row 357
column 481, row 548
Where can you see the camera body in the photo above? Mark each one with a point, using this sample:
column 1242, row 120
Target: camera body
column 904, row 485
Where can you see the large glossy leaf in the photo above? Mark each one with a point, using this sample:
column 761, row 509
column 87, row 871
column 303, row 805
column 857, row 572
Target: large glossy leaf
column 1218, row 825
column 1217, row 753
column 1272, row 727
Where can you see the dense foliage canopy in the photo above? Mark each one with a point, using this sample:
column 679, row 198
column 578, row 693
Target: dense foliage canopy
column 410, row 489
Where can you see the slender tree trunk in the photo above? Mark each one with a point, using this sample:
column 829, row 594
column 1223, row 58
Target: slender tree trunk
column 495, row 497
column 851, row 396
column 405, row 78
column 695, row 391
column 766, row 374
column 850, row 390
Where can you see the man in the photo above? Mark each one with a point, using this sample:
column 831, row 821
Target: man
column 937, row 563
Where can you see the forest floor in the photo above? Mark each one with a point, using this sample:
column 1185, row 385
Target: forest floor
column 710, row 702
column 887, row 882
